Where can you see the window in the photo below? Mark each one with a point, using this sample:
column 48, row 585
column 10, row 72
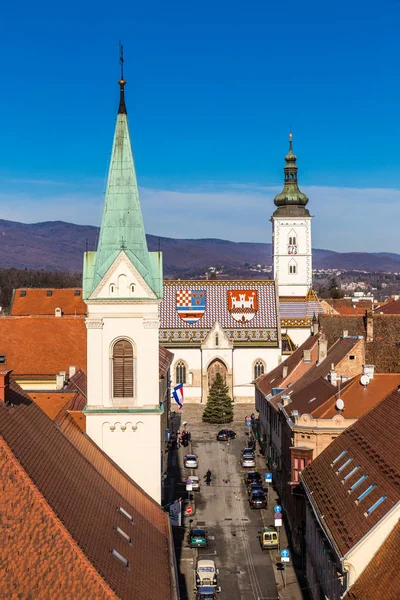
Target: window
column 112, row 288
column 259, row 368
column 77, row 292
column 298, row 465
column 132, row 288
column 351, row 473
column 374, row 506
column 367, row 491
column 180, row 372
column 22, row 293
column 123, row 369
column 123, row 534
column 49, row 293
column 125, row 513
column 345, row 465
column 339, row 457
column 119, row 557
column 292, row 240
column 2, row 359
column 357, row 483
column 292, row 269
column 216, row 339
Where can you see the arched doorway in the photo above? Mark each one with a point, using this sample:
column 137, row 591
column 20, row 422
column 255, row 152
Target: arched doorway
column 217, row 366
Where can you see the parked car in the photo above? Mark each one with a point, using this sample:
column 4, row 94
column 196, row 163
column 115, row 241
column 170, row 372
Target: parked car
column 206, row 573
column 248, row 452
column 225, row 434
column 195, row 482
column 206, row 592
column 190, row 461
column 252, row 477
column 248, row 461
column 252, row 487
column 258, row 499
column 269, row 538
column 198, row 538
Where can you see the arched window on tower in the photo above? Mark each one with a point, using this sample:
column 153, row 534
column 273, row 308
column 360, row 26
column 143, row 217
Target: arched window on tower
column 180, row 372
column 259, row 368
column 123, row 369
column 292, row 268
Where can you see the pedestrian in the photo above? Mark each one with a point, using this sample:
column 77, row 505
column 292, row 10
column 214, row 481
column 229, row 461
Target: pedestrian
column 189, row 436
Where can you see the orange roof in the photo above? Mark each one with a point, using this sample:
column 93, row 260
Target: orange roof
column 358, row 400
column 42, row 345
column 52, row 402
column 44, row 301
column 381, row 578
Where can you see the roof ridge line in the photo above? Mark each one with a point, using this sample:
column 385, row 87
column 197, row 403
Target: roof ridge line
column 57, row 521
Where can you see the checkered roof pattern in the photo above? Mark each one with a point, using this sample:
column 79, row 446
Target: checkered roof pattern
column 298, row 308
column 216, row 302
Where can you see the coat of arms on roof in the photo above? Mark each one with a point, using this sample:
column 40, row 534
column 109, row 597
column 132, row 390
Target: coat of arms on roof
column 242, row 304
column 190, row 305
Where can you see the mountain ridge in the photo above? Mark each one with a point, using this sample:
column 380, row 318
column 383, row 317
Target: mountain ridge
column 59, row 246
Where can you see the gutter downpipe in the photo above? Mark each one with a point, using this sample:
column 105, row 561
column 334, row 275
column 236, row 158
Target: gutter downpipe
column 173, row 568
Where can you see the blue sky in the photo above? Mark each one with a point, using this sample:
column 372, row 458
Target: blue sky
column 213, row 88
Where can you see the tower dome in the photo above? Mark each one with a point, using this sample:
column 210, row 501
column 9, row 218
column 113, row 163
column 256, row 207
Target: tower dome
column 291, row 199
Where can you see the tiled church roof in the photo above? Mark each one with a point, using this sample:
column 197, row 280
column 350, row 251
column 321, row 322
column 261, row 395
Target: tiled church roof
column 217, row 309
column 298, row 311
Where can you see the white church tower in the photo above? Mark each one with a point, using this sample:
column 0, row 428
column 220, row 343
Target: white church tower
column 291, row 235
column 122, row 287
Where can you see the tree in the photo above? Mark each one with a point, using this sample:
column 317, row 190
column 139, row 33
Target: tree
column 219, row 407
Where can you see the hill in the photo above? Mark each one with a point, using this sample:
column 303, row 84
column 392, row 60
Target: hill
column 59, row 246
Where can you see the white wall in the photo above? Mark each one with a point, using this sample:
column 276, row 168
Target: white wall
column 290, row 284
column 298, row 335
column 137, row 452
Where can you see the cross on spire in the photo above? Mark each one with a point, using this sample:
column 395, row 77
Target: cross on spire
column 122, row 82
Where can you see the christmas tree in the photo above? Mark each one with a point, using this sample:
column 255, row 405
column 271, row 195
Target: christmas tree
column 219, row 407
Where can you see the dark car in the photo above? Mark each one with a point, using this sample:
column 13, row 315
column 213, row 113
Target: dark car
column 252, row 487
column 225, row 434
column 198, row 538
column 257, row 499
column 252, row 477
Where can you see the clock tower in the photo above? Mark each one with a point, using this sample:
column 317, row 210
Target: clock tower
column 291, row 235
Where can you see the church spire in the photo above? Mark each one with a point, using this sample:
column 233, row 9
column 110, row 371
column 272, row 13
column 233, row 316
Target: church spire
column 122, row 228
column 291, row 196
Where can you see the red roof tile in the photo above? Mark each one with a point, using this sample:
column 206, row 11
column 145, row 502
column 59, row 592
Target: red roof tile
column 295, row 367
column 372, row 445
column 52, row 402
column 69, row 476
column 381, row 578
column 42, row 346
column 391, row 308
column 37, row 301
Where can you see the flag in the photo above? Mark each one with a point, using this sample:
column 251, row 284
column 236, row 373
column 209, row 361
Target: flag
column 178, row 394
column 175, row 513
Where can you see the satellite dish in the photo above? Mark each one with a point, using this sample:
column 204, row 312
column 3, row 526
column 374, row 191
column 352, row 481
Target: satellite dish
column 339, row 404
column 364, row 380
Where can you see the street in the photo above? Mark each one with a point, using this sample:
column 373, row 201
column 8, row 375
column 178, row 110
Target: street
column 245, row 571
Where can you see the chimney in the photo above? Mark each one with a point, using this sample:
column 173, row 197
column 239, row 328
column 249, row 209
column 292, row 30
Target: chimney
column 58, row 312
column 307, row 355
column 368, row 370
column 4, row 386
column 369, row 323
column 333, row 378
column 322, row 349
column 314, row 325
column 285, row 399
column 284, row 371
column 72, row 371
column 60, row 380
column 345, row 333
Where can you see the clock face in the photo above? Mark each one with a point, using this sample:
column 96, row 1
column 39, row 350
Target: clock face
column 292, row 249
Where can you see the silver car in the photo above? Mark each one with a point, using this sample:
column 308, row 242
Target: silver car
column 248, row 462
column 190, row 461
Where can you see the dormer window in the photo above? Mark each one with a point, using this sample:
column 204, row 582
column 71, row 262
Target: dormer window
column 22, row 293
column 49, row 292
column 77, row 292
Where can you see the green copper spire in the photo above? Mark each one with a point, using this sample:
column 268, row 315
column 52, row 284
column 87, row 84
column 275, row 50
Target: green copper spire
column 291, row 200
column 122, row 228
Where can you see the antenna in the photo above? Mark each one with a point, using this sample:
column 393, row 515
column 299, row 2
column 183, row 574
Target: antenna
column 87, row 244
column 159, row 244
column 339, row 404
column 364, row 380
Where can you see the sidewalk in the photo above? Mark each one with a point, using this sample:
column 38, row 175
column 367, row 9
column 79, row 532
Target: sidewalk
column 285, row 573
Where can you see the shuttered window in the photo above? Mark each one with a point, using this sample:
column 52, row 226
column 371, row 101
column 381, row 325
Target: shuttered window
column 123, row 369
column 180, row 372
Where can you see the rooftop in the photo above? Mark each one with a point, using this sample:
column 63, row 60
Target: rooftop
column 63, row 537
column 355, row 481
column 44, row 301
